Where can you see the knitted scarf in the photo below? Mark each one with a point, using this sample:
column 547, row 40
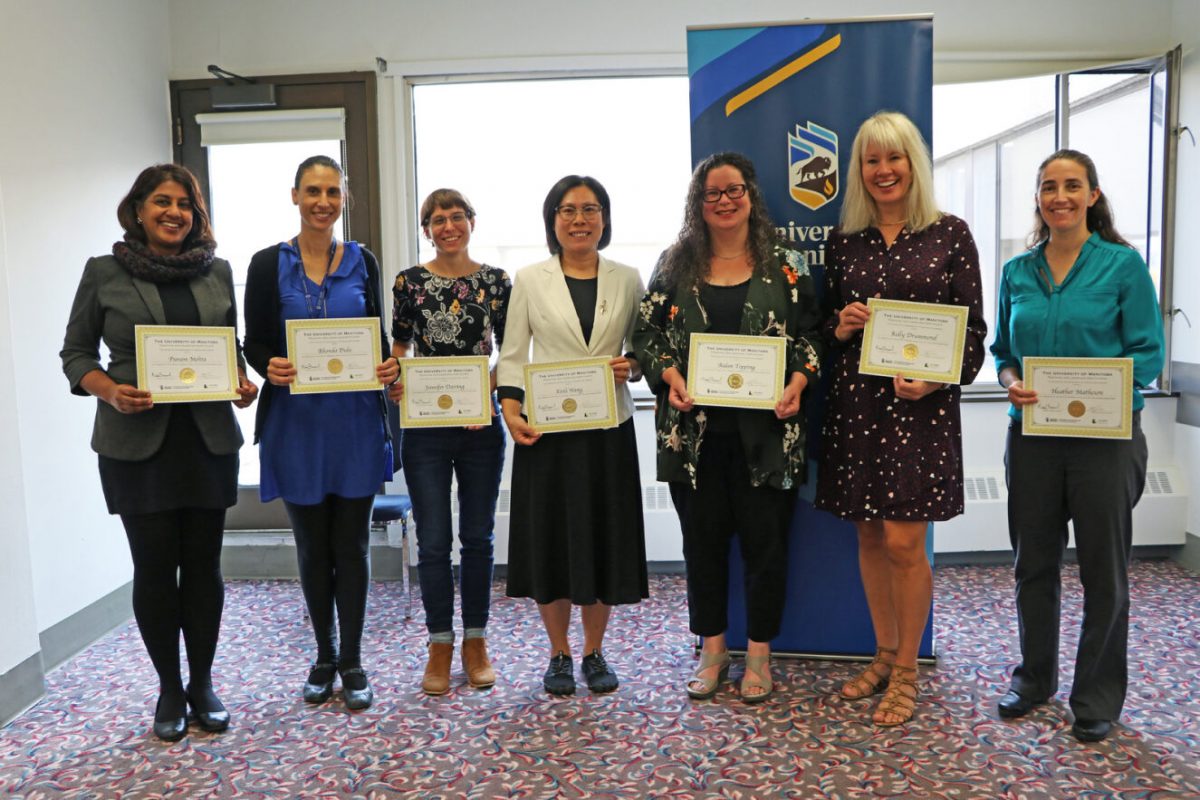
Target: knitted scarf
column 140, row 262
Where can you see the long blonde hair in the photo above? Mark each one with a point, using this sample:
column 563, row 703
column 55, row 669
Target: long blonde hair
column 893, row 131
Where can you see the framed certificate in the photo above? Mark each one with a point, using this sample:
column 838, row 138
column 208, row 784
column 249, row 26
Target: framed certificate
column 736, row 371
column 916, row 340
column 570, row 395
column 334, row 355
column 186, row 363
column 449, row 391
column 1086, row 397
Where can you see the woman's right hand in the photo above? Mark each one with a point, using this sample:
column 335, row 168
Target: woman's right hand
column 280, row 371
column 678, row 395
column 128, row 399
column 1019, row 396
column 851, row 320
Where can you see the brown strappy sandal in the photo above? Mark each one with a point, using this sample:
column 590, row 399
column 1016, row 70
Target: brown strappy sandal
column 871, row 680
column 901, row 699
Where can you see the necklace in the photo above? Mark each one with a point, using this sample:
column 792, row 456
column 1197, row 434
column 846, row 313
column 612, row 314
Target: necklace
column 321, row 306
column 729, row 258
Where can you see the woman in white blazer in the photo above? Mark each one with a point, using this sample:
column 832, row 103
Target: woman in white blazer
column 576, row 535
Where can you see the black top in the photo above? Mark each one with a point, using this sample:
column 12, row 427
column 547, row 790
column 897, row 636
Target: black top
column 583, row 295
column 724, row 305
column 451, row 316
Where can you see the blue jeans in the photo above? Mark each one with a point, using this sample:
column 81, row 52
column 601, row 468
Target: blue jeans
column 476, row 458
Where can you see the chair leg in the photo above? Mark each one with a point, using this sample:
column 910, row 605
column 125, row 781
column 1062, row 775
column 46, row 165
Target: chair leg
column 405, row 564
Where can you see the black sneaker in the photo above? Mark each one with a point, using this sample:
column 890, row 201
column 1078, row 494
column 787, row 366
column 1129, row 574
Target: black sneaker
column 560, row 675
column 600, row 677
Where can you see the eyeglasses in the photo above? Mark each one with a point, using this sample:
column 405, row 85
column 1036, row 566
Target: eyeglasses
column 458, row 218
column 591, row 212
column 733, row 191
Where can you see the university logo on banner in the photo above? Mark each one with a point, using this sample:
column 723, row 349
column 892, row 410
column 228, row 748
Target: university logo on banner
column 812, row 165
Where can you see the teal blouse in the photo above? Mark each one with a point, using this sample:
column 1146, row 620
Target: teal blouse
column 1106, row 307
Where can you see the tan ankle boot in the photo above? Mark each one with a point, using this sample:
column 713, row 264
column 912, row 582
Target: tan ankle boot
column 476, row 664
column 437, row 669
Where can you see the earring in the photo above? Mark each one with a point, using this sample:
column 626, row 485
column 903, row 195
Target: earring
column 139, row 219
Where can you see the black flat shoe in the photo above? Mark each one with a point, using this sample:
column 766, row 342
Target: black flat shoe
column 1013, row 705
column 210, row 713
column 318, row 687
column 1091, row 730
column 356, row 690
column 170, row 721
column 600, row 677
column 560, row 675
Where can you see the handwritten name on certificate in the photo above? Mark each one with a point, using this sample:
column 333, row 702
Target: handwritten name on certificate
column 1087, row 397
column 736, row 371
column 334, row 355
column 445, row 391
column 571, row 395
column 916, row 340
column 186, row 363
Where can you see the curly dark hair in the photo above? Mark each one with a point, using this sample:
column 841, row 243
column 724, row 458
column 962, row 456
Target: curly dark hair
column 146, row 182
column 1099, row 214
column 686, row 262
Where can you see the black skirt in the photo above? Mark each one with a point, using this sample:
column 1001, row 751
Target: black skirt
column 576, row 528
column 181, row 474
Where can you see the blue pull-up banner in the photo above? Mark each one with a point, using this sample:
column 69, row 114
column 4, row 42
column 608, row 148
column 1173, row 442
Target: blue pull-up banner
column 791, row 97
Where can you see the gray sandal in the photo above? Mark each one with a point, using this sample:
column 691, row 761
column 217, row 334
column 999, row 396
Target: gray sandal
column 708, row 686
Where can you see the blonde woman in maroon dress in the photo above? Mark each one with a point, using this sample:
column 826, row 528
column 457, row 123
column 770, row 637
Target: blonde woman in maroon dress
column 892, row 447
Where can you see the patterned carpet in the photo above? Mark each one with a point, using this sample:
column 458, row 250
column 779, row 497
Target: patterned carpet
column 89, row 737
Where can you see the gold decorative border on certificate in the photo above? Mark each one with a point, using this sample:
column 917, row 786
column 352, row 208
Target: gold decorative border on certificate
column 229, row 335
column 371, row 384
column 953, row 375
column 407, row 365
column 609, row 421
column 1029, row 427
column 778, row 342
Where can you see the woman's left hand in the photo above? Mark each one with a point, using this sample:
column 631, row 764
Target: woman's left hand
column 388, row 371
column 622, row 369
column 789, row 403
column 912, row 388
column 247, row 392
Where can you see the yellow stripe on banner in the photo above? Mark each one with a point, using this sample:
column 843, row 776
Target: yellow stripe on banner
column 779, row 76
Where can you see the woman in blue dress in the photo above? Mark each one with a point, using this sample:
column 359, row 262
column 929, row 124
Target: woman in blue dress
column 326, row 455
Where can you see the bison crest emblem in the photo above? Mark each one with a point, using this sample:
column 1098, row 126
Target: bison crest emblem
column 812, row 165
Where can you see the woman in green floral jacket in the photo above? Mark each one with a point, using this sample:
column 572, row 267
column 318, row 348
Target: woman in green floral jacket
column 730, row 470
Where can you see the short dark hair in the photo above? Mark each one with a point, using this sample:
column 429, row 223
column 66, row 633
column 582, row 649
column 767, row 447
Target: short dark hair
column 555, row 196
column 445, row 199
column 147, row 181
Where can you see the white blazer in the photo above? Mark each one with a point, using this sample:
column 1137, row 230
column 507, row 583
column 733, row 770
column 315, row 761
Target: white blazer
column 540, row 310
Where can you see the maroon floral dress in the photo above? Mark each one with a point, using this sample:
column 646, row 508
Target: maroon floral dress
column 883, row 457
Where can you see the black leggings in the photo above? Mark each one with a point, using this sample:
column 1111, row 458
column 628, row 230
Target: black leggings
column 177, row 586
column 335, row 566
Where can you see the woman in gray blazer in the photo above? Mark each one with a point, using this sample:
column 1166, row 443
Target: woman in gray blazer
column 169, row 471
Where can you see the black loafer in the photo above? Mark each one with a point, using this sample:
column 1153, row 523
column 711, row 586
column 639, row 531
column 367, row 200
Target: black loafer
column 600, row 677
column 318, row 687
column 560, row 675
column 1091, row 730
column 210, row 713
column 1014, row 705
column 170, row 724
column 356, row 690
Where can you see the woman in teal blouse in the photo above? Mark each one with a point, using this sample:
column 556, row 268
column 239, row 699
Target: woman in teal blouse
column 1080, row 291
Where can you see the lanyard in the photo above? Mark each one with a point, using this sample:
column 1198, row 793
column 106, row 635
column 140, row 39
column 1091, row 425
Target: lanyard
column 321, row 306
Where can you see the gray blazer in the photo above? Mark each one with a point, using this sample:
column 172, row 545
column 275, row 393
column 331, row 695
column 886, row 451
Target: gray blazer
column 108, row 304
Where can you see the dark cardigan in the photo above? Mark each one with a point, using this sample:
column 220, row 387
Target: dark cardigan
column 264, row 331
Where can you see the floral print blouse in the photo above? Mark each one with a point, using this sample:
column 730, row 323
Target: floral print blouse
column 450, row 316
column 781, row 302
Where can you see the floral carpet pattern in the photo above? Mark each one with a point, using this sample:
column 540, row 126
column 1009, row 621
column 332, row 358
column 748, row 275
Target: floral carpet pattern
column 89, row 737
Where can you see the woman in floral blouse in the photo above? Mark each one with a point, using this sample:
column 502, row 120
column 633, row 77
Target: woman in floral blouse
column 730, row 470
column 452, row 306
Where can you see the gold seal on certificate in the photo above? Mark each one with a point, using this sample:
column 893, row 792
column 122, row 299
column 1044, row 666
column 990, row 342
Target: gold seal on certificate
column 736, row 371
column 445, row 391
column 1082, row 397
column 186, row 363
column 334, row 355
column 916, row 340
column 571, row 395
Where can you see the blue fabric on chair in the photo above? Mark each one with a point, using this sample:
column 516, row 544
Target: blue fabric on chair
column 391, row 508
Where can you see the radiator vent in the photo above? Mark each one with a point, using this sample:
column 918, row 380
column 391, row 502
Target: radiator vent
column 981, row 488
column 1158, row 482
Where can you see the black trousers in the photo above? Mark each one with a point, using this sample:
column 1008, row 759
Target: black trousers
column 177, row 587
column 333, row 554
column 1094, row 483
column 724, row 503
